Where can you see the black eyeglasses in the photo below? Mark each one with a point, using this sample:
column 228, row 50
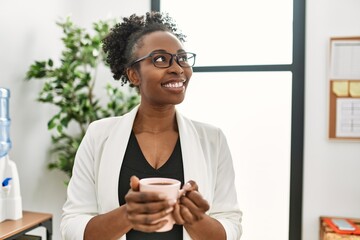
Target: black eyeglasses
column 165, row 59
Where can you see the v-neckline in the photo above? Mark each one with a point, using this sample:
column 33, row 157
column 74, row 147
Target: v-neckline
column 167, row 162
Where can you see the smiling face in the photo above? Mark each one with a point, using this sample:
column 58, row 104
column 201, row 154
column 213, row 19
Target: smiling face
column 160, row 86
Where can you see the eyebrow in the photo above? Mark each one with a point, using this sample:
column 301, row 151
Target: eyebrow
column 164, row 51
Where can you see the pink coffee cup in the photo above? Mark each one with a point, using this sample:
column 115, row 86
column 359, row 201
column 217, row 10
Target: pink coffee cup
column 169, row 187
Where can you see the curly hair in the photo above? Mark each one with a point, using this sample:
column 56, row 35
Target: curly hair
column 125, row 37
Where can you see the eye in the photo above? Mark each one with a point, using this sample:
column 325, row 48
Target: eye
column 182, row 58
column 160, row 58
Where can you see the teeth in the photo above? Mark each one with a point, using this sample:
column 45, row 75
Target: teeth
column 174, row 85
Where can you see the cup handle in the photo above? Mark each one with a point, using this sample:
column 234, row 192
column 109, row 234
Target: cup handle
column 184, row 189
column 181, row 192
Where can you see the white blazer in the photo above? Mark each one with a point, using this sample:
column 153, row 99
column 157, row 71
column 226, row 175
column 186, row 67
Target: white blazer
column 93, row 188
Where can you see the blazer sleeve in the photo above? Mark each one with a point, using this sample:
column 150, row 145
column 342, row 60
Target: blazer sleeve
column 225, row 204
column 81, row 203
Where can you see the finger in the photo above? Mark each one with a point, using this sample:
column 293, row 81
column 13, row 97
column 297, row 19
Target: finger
column 198, row 200
column 147, row 208
column 188, row 217
column 150, row 227
column 134, row 183
column 144, row 197
column 193, row 185
column 197, row 212
column 149, row 221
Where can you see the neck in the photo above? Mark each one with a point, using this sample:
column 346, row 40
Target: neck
column 155, row 121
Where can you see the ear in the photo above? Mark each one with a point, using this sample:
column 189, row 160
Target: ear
column 133, row 76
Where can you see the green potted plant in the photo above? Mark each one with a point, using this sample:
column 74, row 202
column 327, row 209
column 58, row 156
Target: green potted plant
column 70, row 87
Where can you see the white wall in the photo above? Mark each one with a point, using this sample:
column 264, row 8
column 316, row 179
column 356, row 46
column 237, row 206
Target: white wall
column 331, row 168
column 28, row 33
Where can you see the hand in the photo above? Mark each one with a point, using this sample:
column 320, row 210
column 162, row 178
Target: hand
column 191, row 206
column 145, row 209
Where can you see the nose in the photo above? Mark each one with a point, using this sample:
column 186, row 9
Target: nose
column 175, row 66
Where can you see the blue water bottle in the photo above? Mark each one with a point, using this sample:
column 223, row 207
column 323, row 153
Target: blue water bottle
column 5, row 142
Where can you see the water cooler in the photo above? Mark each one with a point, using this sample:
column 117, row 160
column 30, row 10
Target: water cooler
column 10, row 198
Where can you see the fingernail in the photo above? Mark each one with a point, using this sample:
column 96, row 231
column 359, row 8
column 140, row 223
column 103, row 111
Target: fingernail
column 187, row 186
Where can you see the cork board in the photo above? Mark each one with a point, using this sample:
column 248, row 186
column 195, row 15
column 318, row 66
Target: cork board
column 344, row 88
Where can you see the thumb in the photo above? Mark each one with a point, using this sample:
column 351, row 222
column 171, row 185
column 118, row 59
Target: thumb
column 134, row 183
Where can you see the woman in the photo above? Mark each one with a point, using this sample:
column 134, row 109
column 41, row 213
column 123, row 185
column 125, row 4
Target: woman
column 153, row 140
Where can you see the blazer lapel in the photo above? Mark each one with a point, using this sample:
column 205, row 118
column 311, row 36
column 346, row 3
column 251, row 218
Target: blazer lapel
column 195, row 167
column 111, row 160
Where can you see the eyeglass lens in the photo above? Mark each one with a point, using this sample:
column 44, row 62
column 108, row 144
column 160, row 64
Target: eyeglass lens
column 164, row 60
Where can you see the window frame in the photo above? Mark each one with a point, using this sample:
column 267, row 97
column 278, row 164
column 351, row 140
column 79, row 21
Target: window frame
column 297, row 68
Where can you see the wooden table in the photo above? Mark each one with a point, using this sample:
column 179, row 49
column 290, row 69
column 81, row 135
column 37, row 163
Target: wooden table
column 12, row 229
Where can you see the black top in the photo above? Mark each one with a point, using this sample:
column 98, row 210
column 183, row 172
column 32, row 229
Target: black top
column 134, row 163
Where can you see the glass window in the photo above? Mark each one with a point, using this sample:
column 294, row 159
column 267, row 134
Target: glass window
column 254, row 111
column 253, row 108
column 233, row 32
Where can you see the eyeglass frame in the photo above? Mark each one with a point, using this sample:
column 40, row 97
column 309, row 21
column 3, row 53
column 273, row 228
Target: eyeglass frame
column 170, row 62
